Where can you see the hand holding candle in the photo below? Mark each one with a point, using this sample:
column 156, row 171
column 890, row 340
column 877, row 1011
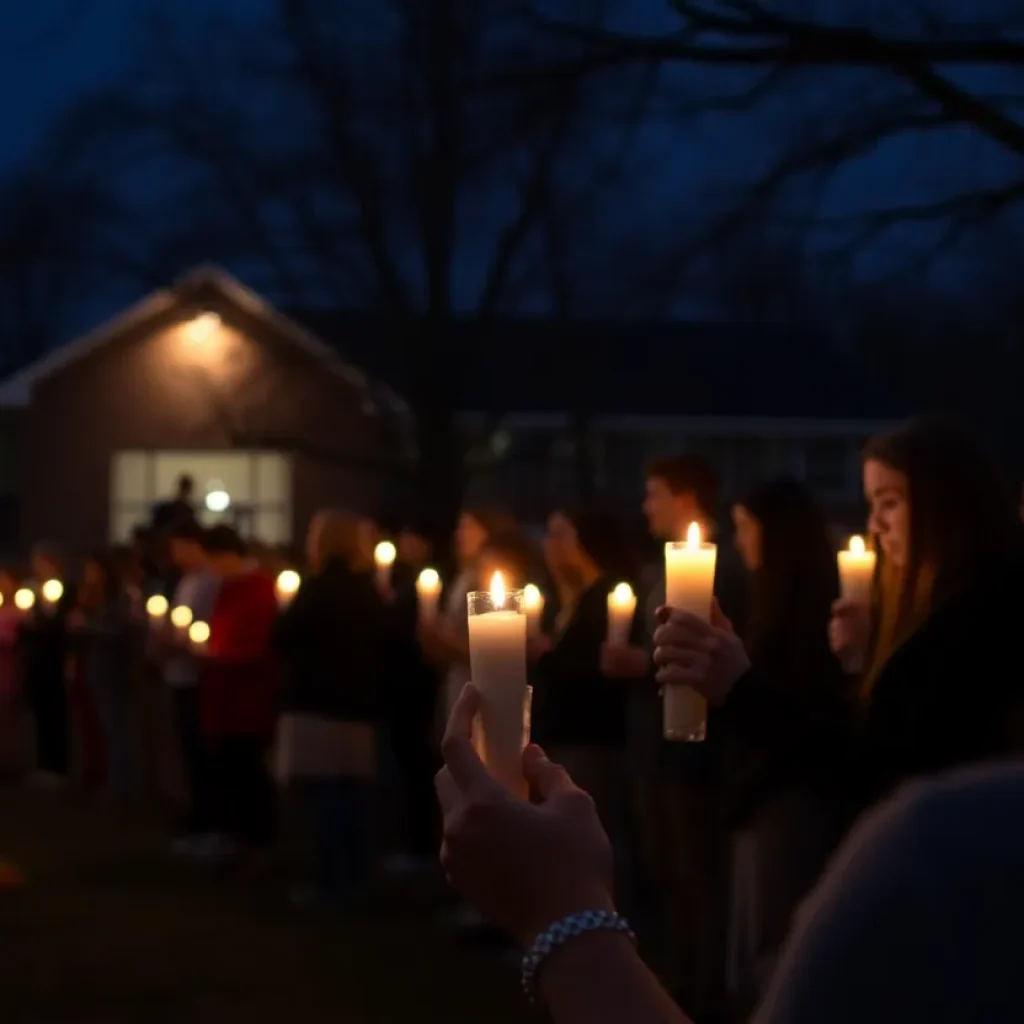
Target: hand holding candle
column 24, row 599
column 156, row 609
column 857, row 572
column 497, row 659
column 199, row 637
column 286, row 587
column 384, row 555
column 181, row 619
column 52, row 591
column 690, row 587
column 428, row 593
column 621, row 609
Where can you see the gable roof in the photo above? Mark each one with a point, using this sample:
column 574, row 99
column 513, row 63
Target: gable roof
column 208, row 285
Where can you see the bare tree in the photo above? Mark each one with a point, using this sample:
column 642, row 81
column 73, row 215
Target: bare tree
column 355, row 159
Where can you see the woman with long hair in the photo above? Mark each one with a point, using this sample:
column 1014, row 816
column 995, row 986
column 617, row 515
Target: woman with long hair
column 942, row 689
column 775, row 782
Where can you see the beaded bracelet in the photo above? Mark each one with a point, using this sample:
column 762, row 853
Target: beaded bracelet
column 571, row 926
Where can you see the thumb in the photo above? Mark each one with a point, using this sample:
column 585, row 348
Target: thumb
column 544, row 777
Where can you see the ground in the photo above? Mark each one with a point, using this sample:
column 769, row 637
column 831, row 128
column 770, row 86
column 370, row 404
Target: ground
column 109, row 930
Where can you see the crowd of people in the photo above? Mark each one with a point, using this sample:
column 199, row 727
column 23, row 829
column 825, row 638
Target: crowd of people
column 819, row 707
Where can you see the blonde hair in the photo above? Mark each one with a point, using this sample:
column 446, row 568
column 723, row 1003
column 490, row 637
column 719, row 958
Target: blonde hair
column 334, row 534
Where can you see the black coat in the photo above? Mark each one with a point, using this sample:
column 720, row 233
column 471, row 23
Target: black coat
column 330, row 640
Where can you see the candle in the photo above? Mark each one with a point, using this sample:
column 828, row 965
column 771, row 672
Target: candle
column 533, row 604
column 428, row 592
column 181, row 619
column 621, row 608
column 156, row 609
column 287, row 586
column 52, row 591
column 497, row 663
column 199, row 637
column 384, row 556
column 857, row 572
column 24, row 599
column 690, row 587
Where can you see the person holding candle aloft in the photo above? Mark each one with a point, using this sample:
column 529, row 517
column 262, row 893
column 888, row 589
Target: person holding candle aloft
column 776, row 783
column 579, row 713
column 43, row 643
column 680, row 853
column 937, row 692
column 333, row 640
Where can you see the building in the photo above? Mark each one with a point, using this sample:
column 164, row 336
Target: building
column 205, row 379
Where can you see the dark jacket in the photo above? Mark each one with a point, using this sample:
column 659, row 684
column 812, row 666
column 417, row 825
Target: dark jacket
column 330, row 640
column 951, row 695
column 573, row 703
column 44, row 642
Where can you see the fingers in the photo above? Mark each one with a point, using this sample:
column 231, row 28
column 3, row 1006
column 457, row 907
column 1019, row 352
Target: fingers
column 718, row 618
column 448, row 793
column 680, row 675
column 545, row 778
column 685, row 634
column 684, row 657
column 460, row 757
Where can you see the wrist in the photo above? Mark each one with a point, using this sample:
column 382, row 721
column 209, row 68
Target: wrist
column 579, row 901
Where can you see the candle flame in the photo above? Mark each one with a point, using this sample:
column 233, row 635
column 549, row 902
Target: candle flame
column 53, row 591
column 181, row 617
column 429, row 579
column 532, row 598
column 498, row 591
column 288, row 581
column 24, row 599
column 199, row 632
column 857, row 546
column 156, row 606
column 693, row 536
column 384, row 553
column 623, row 595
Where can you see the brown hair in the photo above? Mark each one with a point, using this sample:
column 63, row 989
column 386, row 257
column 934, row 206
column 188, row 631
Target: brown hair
column 962, row 519
column 337, row 535
column 691, row 474
column 495, row 521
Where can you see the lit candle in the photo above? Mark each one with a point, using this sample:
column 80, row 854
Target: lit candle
column 857, row 572
column 428, row 593
column 384, row 555
column 181, row 619
column 157, row 608
column 621, row 608
column 199, row 637
column 690, row 587
column 287, row 586
column 497, row 663
column 533, row 604
column 52, row 591
column 24, row 599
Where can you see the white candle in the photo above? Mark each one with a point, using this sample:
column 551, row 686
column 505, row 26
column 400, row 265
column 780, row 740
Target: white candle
column 428, row 593
column 533, row 604
column 857, row 572
column 181, row 619
column 286, row 587
column 157, row 608
column 621, row 609
column 199, row 637
column 690, row 587
column 497, row 663
column 52, row 591
column 384, row 555
column 24, row 599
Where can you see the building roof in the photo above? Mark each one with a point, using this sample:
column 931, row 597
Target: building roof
column 658, row 369
column 201, row 287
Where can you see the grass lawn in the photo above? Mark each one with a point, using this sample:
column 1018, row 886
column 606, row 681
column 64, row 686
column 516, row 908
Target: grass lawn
column 109, row 930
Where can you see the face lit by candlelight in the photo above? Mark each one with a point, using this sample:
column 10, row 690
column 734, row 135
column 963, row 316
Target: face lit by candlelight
column 470, row 537
column 747, row 537
column 668, row 513
column 888, row 498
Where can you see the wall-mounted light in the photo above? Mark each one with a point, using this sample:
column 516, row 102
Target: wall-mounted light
column 202, row 328
column 217, row 499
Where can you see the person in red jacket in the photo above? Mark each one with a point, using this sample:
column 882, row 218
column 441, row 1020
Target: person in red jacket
column 239, row 691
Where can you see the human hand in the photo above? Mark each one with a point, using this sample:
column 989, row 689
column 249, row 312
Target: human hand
column 708, row 656
column 849, row 632
column 624, row 662
column 523, row 866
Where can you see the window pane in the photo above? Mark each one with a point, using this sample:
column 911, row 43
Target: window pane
column 272, row 526
column 229, row 471
column 129, row 479
column 272, row 478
